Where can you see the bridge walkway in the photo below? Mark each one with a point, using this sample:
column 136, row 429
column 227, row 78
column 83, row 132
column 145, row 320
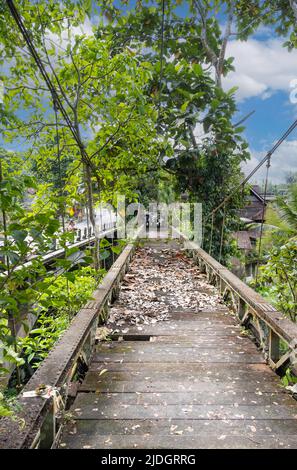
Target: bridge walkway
column 179, row 371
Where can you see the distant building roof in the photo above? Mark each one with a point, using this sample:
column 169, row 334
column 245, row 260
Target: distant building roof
column 253, row 210
column 256, row 191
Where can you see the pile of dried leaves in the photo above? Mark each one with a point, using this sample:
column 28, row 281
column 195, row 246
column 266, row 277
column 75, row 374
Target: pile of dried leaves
column 161, row 281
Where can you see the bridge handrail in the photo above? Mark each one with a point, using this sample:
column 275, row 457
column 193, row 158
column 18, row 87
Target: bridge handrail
column 51, row 255
column 269, row 325
column 37, row 417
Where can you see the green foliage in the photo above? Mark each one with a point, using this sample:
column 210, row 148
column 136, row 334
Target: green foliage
column 288, row 209
column 279, row 278
column 289, row 378
column 137, row 121
column 5, row 407
column 189, row 99
column 280, row 221
column 26, row 286
column 57, row 306
column 104, row 95
column 24, row 234
column 103, row 92
column 275, row 230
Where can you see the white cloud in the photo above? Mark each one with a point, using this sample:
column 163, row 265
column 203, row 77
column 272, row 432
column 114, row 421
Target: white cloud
column 67, row 37
column 283, row 161
column 261, row 68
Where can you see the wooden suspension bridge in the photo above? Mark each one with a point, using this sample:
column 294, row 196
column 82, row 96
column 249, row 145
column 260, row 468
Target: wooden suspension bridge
column 201, row 375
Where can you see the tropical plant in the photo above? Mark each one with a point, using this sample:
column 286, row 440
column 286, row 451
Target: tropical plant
column 287, row 207
column 186, row 84
column 57, row 306
column 280, row 221
column 278, row 278
column 97, row 131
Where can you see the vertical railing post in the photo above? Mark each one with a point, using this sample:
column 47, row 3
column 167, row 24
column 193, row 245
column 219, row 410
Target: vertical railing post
column 48, row 429
column 241, row 308
column 222, row 286
column 274, row 346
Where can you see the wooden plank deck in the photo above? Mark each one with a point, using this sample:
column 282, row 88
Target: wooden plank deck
column 190, row 381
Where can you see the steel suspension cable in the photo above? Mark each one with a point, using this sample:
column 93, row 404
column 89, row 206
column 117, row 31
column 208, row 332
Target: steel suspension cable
column 267, row 160
column 261, row 163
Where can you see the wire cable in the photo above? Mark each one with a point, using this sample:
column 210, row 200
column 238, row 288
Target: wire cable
column 261, row 163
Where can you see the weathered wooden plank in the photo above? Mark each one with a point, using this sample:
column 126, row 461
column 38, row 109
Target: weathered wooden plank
column 211, row 441
column 217, row 313
column 186, row 427
column 224, row 370
column 218, row 318
column 188, row 328
column 195, row 348
column 180, row 356
column 194, row 320
column 187, row 339
column 155, row 385
column 185, row 375
column 180, row 411
column 229, row 397
column 154, row 331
